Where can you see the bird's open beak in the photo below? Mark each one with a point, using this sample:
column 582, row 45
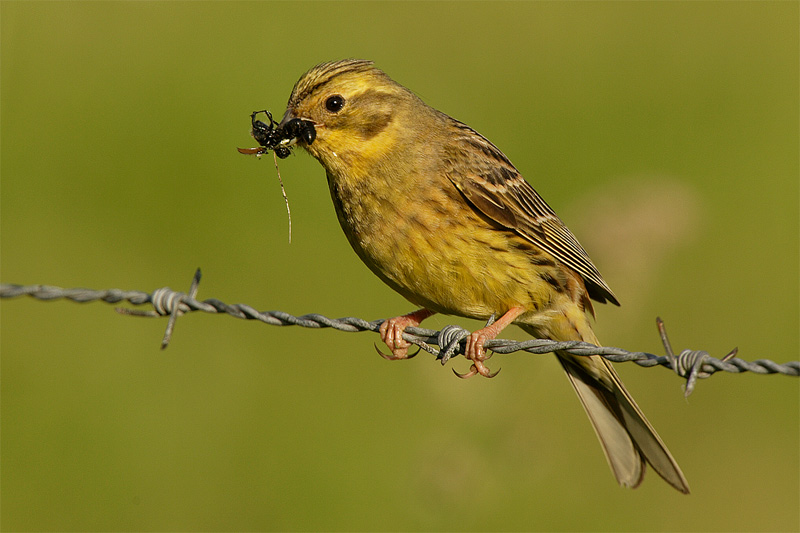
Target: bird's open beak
column 291, row 129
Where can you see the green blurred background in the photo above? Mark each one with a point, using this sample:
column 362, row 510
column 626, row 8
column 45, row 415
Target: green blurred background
column 665, row 134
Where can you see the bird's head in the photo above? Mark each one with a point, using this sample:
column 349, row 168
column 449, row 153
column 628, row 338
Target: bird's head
column 357, row 112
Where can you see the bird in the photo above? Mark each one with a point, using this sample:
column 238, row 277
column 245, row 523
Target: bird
column 443, row 217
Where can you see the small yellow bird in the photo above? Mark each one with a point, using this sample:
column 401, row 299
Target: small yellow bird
column 442, row 216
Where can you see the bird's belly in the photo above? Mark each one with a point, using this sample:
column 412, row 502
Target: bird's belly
column 456, row 274
column 446, row 257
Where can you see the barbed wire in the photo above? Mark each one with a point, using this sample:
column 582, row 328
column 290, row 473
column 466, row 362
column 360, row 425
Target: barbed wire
column 689, row 364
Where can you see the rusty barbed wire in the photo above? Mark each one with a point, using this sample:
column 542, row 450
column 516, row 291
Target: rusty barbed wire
column 689, row 364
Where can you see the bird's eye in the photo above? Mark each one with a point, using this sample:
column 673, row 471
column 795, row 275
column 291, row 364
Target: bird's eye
column 334, row 103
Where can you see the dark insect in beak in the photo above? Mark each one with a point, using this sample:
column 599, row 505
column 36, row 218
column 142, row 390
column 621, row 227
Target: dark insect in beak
column 278, row 137
column 264, row 134
column 300, row 129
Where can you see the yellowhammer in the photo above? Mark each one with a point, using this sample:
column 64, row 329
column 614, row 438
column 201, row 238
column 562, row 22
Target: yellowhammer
column 442, row 216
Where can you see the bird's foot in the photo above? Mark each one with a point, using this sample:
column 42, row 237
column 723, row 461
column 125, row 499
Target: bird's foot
column 475, row 351
column 391, row 332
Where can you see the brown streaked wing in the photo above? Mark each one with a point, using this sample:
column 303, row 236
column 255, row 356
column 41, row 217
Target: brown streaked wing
column 491, row 183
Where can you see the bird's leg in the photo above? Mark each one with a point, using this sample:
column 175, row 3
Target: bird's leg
column 392, row 333
column 474, row 349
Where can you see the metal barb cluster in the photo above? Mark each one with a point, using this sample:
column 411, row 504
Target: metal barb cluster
column 689, row 364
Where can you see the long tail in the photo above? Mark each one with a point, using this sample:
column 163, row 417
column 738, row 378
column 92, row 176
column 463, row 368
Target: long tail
column 626, row 436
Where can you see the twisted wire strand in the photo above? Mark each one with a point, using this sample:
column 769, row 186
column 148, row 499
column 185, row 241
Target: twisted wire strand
column 689, row 364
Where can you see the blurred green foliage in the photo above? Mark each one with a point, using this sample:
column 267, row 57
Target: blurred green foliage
column 665, row 133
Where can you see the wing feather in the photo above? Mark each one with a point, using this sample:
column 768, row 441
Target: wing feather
column 494, row 187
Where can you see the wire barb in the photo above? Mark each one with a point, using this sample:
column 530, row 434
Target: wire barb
column 167, row 302
column 689, row 364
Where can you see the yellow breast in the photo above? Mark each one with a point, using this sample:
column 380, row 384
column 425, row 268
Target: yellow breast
column 431, row 246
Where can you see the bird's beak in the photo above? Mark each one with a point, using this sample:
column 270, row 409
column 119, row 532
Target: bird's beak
column 293, row 129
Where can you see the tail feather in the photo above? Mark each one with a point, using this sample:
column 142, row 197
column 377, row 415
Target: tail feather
column 622, row 455
column 626, row 436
